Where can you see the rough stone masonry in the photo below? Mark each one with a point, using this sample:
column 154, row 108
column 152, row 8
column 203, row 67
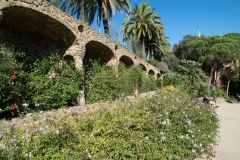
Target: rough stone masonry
column 38, row 28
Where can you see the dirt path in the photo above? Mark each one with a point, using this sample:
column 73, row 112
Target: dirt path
column 229, row 141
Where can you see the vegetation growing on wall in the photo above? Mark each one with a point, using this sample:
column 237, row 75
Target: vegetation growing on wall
column 170, row 125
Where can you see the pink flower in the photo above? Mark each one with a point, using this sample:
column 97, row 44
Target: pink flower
column 14, row 76
column 13, row 107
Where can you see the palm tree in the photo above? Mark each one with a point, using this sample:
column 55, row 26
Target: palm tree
column 87, row 9
column 105, row 10
column 142, row 22
column 78, row 8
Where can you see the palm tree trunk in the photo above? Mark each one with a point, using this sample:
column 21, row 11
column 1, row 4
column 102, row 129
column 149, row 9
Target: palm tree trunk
column 143, row 49
column 105, row 21
column 83, row 11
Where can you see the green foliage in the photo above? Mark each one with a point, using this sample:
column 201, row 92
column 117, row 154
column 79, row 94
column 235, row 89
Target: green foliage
column 44, row 84
column 105, row 83
column 180, row 49
column 170, row 125
column 191, row 78
column 214, row 50
column 171, row 61
column 53, row 83
column 143, row 23
column 160, row 65
column 100, row 83
column 191, row 72
column 11, row 78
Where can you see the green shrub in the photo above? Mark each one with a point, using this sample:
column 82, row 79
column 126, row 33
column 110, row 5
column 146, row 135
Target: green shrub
column 12, row 79
column 106, row 83
column 100, row 83
column 44, row 84
column 53, row 83
column 171, row 125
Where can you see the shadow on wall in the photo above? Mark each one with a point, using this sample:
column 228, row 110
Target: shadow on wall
column 34, row 33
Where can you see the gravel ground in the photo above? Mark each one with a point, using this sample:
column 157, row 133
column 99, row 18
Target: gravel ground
column 229, row 137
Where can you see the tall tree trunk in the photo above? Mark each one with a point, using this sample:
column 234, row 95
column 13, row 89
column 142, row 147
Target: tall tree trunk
column 83, row 11
column 211, row 75
column 143, row 49
column 228, row 83
column 105, row 21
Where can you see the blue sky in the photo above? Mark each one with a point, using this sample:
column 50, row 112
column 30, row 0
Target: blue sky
column 181, row 17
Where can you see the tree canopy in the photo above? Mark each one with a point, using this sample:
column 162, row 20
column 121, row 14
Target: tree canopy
column 144, row 23
column 215, row 50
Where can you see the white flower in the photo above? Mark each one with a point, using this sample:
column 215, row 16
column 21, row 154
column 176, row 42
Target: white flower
column 37, row 105
column 173, row 107
column 25, row 136
column 88, row 154
column 41, row 129
column 193, row 150
column 163, row 139
column 168, row 121
column 164, row 122
column 147, row 138
column 189, row 121
column 165, row 112
column 57, row 132
column 170, row 157
column 25, row 105
column 29, row 154
column 41, row 112
column 0, row 109
column 181, row 136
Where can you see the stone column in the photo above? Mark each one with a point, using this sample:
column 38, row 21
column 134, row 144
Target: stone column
column 78, row 58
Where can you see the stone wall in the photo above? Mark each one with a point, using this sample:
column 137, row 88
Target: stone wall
column 37, row 28
column 34, row 48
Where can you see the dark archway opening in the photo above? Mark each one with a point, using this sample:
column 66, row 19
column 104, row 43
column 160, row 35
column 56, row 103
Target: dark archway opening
column 151, row 72
column 34, row 33
column 127, row 61
column 142, row 67
column 97, row 51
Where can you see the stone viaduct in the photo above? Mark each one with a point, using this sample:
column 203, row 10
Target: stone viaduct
column 38, row 28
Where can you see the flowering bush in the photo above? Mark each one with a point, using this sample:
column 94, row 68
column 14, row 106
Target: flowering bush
column 53, row 83
column 170, row 125
column 44, row 84
column 11, row 73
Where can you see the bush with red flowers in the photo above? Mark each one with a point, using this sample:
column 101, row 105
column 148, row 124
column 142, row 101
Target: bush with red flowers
column 43, row 84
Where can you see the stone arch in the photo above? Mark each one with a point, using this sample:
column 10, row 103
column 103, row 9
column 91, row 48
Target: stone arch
column 151, row 72
column 142, row 67
column 33, row 32
column 98, row 51
column 126, row 60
